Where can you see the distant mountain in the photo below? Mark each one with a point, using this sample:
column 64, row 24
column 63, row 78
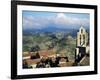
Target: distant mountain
column 51, row 30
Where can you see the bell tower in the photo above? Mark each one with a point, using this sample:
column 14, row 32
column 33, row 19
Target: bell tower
column 81, row 43
column 82, row 37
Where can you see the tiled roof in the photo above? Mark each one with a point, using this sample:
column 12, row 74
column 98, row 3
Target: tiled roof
column 32, row 61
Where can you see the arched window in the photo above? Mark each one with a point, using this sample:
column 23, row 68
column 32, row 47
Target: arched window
column 81, row 30
column 80, row 39
column 83, row 39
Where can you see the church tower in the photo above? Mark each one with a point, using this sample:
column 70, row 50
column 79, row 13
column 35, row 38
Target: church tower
column 81, row 43
column 82, row 37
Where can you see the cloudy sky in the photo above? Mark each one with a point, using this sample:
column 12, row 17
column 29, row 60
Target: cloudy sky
column 46, row 20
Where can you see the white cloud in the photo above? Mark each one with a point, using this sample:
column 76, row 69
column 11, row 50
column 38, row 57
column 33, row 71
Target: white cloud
column 34, row 22
column 60, row 20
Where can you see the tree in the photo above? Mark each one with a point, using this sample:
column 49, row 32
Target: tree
column 35, row 48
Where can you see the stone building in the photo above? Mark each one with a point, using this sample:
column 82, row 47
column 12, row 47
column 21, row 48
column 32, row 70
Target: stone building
column 81, row 44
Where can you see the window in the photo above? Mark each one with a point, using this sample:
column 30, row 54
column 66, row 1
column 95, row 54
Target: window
column 81, row 30
column 80, row 39
column 83, row 39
